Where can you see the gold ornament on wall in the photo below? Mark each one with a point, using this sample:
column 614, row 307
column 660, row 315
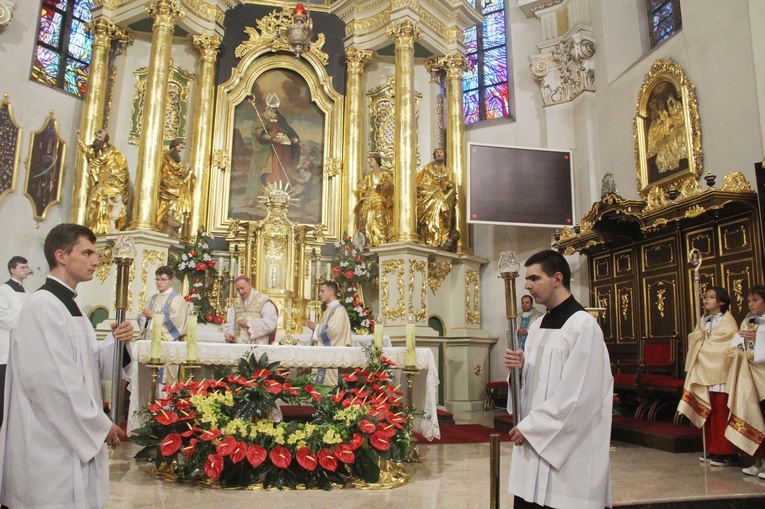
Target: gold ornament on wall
column 148, row 257
column 736, row 182
column 10, row 148
column 472, row 306
column 392, row 268
column 416, row 266
column 273, row 35
column 437, row 272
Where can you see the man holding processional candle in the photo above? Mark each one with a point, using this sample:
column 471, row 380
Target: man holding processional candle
column 164, row 318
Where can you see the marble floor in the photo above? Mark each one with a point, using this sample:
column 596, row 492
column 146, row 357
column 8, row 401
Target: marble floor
column 450, row 476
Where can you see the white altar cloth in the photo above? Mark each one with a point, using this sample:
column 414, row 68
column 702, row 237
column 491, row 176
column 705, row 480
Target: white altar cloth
column 174, row 352
column 303, row 339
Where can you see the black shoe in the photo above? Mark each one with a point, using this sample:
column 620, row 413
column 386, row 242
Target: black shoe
column 718, row 460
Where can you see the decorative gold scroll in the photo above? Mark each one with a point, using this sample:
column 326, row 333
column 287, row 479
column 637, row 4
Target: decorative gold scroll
column 472, row 309
column 395, row 268
column 416, row 266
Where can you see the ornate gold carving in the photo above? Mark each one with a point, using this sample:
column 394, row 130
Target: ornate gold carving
column 688, row 187
column 404, row 34
column 695, row 211
column 148, row 257
column 738, row 232
column 273, row 36
column 205, row 10
column 437, row 272
column 110, row 4
column 382, row 120
column 624, row 298
column 472, row 310
column 660, row 300
column 357, row 58
column 736, row 182
column 656, row 199
column 738, row 291
column 421, row 313
column 566, row 233
column 104, row 263
column 366, row 25
column 569, row 250
column 333, row 167
column 109, row 96
column 667, row 127
column 10, row 148
column 175, row 111
column 396, row 268
column 165, row 13
column 221, row 160
column 207, row 46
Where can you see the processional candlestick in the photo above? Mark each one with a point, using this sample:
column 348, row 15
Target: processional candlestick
column 509, row 268
column 123, row 255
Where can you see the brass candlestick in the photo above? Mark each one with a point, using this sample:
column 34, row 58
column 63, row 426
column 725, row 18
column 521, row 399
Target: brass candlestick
column 123, row 254
column 190, row 366
column 155, row 365
column 509, row 269
column 413, row 454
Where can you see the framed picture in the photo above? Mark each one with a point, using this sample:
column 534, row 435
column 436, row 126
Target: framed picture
column 666, row 128
column 10, row 148
column 45, row 164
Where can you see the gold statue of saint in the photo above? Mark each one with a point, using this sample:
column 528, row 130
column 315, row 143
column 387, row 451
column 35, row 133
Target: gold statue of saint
column 175, row 188
column 374, row 207
column 107, row 201
column 436, row 195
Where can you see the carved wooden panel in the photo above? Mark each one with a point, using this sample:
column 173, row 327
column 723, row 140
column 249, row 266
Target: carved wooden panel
column 626, row 304
column 623, row 263
column 604, row 298
column 703, row 240
column 601, row 267
column 736, row 237
column 738, row 277
column 660, row 305
column 660, row 254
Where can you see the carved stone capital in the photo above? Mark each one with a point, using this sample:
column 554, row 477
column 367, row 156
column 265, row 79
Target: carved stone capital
column 165, row 13
column 108, row 35
column 207, row 46
column 404, row 35
column 455, row 64
column 565, row 69
column 6, row 13
column 357, row 58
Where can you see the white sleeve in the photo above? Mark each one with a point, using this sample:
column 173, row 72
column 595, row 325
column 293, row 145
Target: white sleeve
column 264, row 326
column 230, row 326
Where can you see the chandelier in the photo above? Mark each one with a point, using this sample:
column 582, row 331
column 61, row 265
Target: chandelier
column 300, row 31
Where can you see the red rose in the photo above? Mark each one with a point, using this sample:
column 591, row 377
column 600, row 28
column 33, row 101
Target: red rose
column 367, row 427
column 336, row 270
column 345, row 454
column 256, row 455
column 226, row 445
column 209, row 317
column 239, row 452
column 214, row 466
column 327, row 460
column 166, row 418
column 218, row 319
column 211, row 263
column 380, row 442
column 170, row 444
column 305, row 459
column 280, row 456
column 348, row 274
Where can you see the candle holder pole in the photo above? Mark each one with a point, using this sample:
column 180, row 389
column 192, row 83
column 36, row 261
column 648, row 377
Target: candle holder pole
column 155, row 365
column 413, row 454
column 123, row 255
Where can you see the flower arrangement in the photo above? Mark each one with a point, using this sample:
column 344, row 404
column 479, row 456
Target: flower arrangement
column 350, row 268
column 197, row 264
column 219, row 431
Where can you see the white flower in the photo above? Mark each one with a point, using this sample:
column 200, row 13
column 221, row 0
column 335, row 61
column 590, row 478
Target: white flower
column 198, row 284
column 359, row 309
column 184, row 257
column 359, row 271
column 337, row 244
column 365, row 323
column 207, row 257
column 349, row 299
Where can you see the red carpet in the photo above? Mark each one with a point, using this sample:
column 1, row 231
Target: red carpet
column 464, row 434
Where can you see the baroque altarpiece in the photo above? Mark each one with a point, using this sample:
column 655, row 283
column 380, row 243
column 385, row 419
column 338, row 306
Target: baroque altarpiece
column 280, row 127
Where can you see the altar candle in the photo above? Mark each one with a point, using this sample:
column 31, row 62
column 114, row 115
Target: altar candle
column 156, row 334
column 411, row 358
column 329, row 271
column 317, row 275
column 379, row 327
column 191, row 339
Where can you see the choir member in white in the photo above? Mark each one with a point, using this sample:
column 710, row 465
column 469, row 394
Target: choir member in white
column 12, row 297
column 54, row 441
column 563, row 435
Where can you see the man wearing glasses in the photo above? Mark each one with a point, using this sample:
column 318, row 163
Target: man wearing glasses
column 174, row 313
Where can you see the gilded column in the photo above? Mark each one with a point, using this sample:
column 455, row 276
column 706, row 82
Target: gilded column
column 456, row 146
column 201, row 134
column 150, row 144
column 104, row 33
column 357, row 59
column 404, row 35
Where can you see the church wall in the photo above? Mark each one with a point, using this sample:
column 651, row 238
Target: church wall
column 31, row 103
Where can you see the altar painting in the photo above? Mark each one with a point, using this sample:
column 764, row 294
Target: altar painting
column 278, row 137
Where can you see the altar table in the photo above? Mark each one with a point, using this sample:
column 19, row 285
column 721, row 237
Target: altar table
column 210, row 354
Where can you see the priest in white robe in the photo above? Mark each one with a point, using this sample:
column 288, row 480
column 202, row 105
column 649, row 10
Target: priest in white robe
column 334, row 329
column 252, row 318
column 562, row 438
column 53, row 444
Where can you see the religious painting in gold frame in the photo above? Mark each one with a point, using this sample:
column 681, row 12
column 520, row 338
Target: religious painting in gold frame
column 666, row 128
column 313, row 109
column 45, row 165
column 10, row 148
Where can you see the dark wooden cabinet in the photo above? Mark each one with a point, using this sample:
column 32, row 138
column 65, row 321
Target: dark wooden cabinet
column 639, row 270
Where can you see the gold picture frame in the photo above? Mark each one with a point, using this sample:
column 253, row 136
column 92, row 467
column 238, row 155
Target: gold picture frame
column 45, row 167
column 10, row 148
column 666, row 128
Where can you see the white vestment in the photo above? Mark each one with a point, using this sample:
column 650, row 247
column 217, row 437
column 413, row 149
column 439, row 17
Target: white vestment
column 52, row 440
column 566, row 402
column 333, row 330
column 11, row 303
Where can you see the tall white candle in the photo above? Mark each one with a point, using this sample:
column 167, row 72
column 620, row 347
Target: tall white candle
column 191, row 339
column 329, row 271
column 379, row 327
column 156, row 335
column 317, row 275
column 411, row 357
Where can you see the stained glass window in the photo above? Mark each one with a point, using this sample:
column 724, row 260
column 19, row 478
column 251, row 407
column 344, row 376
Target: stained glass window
column 63, row 46
column 664, row 19
column 485, row 90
